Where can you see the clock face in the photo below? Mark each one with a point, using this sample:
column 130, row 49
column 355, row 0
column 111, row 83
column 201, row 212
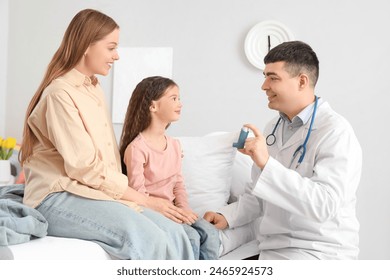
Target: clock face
column 262, row 37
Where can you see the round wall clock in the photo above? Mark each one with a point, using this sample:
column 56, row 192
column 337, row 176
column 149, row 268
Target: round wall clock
column 262, row 37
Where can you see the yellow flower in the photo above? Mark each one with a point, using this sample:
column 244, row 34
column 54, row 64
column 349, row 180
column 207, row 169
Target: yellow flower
column 6, row 147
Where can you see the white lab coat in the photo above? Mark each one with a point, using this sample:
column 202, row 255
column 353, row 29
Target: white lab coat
column 308, row 212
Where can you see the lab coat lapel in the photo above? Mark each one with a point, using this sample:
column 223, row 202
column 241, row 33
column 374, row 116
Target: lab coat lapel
column 278, row 134
column 298, row 137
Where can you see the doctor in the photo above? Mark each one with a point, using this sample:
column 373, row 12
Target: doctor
column 306, row 169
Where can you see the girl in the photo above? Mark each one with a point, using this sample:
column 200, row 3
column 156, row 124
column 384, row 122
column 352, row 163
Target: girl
column 71, row 160
column 152, row 159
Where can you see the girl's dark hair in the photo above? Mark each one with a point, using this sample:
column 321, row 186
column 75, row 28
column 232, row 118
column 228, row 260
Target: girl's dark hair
column 138, row 116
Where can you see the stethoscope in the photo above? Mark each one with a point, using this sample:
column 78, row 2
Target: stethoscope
column 271, row 138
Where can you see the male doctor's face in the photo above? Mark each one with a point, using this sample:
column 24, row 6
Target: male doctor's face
column 282, row 90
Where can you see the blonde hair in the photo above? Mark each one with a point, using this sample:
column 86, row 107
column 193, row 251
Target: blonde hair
column 86, row 28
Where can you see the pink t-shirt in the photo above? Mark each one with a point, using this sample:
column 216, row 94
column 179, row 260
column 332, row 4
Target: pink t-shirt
column 156, row 173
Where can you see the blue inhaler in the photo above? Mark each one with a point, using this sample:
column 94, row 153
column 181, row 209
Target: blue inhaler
column 241, row 139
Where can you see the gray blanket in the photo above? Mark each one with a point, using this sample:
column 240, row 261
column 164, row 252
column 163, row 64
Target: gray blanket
column 18, row 222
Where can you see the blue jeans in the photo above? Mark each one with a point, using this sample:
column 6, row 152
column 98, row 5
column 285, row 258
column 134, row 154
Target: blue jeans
column 117, row 228
column 204, row 239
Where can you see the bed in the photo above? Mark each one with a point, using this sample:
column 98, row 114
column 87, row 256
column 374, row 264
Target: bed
column 215, row 174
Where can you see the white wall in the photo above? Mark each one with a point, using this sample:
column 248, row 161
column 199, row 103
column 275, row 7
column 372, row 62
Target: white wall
column 219, row 88
column 3, row 63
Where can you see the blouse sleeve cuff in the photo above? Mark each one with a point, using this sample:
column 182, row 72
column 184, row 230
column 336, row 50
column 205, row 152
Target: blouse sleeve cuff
column 114, row 184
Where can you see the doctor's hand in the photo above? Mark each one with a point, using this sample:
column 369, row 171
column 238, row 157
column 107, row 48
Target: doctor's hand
column 256, row 147
column 216, row 219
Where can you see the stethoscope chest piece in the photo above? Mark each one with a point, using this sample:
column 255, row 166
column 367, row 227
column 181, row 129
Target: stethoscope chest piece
column 271, row 138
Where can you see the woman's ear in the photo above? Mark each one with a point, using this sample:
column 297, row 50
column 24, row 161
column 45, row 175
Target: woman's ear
column 86, row 51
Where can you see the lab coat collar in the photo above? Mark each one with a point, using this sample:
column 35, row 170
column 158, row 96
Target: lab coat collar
column 300, row 134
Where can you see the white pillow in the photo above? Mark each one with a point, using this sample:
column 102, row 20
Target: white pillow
column 242, row 169
column 207, row 169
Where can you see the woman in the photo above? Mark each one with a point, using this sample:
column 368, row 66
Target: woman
column 71, row 160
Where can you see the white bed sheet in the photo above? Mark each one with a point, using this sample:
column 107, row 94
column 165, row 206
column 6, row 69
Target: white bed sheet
column 247, row 250
column 58, row 248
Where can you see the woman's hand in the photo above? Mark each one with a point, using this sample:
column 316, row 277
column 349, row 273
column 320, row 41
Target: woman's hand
column 167, row 209
column 160, row 205
column 190, row 216
column 131, row 204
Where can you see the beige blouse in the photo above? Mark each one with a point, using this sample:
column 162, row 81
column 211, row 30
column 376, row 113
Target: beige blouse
column 76, row 149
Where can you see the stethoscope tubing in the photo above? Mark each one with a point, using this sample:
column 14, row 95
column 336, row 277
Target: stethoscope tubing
column 271, row 138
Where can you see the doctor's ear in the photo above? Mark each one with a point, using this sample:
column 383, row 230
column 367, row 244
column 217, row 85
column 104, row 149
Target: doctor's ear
column 303, row 81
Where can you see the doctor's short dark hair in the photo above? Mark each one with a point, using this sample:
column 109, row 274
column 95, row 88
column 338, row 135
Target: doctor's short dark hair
column 299, row 58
